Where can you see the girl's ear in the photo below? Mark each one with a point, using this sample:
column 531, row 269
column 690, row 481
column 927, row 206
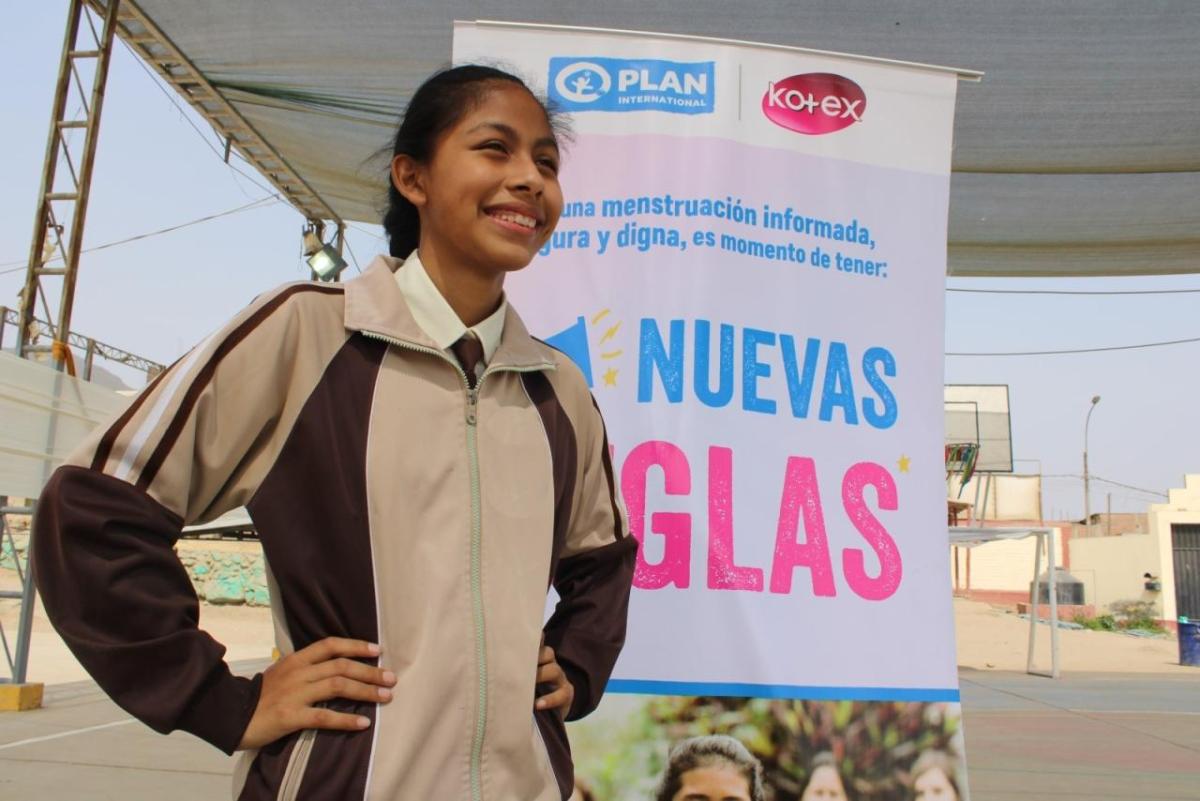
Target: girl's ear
column 409, row 179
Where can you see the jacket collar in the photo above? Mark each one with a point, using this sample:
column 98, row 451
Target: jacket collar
column 375, row 305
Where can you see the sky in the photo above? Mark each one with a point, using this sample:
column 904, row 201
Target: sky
column 158, row 296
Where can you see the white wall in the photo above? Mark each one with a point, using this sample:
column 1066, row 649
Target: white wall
column 1112, row 568
column 1009, row 497
column 1004, row 565
column 1182, row 506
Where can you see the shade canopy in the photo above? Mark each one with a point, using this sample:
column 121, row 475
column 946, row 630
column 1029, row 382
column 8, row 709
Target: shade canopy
column 1078, row 154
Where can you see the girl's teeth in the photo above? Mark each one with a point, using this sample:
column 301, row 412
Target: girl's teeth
column 519, row 219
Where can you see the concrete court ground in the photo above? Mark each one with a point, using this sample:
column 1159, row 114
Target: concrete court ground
column 1084, row 737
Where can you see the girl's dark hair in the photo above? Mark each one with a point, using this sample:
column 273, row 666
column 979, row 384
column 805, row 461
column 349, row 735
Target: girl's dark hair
column 716, row 750
column 437, row 105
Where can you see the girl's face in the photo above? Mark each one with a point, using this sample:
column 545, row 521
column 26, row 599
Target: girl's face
column 825, row 785
column 934, row 785
column 489, row 197
column 715, row 783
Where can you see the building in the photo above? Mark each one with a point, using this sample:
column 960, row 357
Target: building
column 1152, row 557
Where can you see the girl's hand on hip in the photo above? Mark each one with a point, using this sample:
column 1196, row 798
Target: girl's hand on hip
column 551, row 673
column 323, row 671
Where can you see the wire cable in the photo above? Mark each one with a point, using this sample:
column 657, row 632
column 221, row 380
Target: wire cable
column 1128, row 486
column 1107, row 349
column 1075, row 291
column 262, row 202
column 353, row 258
column 1078, row 477
column 157, row 81
column 371, row 234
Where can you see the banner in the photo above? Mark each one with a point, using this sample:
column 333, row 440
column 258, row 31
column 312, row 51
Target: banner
column 749, row 270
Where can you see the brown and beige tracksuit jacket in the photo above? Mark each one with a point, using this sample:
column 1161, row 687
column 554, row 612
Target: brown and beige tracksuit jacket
column 394, row 504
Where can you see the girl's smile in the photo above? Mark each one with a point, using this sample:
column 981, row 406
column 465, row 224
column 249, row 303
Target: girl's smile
column 519, row 218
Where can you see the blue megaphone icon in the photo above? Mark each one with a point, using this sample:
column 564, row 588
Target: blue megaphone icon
column 573, row 341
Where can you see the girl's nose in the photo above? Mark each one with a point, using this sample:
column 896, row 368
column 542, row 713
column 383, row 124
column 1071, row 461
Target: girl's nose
column 526, row 176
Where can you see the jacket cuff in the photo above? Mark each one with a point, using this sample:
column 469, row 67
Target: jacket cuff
column 221, row 711
column 581, row 703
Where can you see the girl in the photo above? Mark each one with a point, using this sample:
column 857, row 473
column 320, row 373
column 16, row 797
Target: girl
column 824, row 780
column 419, row 470
column 935, row 777
column 711, row 768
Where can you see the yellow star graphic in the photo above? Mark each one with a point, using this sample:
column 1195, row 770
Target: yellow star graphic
column 904, row 463
column 610, row 377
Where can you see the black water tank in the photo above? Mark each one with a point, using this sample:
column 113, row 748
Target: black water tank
column 1069, row 589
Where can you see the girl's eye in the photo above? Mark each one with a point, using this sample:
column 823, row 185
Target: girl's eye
column 549, row 164
column 494, row 144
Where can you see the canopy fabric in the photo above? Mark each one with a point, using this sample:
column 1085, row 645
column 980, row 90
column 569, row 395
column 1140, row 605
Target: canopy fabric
column 46, row 414
column 1078, row 154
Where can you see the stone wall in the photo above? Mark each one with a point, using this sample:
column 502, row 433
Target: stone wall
column 20, row 535
column 223, row 572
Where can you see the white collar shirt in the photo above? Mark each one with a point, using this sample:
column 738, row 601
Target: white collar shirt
column 433, row 313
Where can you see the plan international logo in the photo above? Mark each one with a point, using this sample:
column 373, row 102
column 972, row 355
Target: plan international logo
column 618, row 84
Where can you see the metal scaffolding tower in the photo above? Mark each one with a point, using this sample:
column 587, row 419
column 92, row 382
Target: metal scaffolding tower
column 91, row 349
column 62, row 204
column 57, row 236
column 67, row 174
column 58, row 227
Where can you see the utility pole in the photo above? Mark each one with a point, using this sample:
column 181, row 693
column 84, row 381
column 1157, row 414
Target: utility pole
column 1087, row 503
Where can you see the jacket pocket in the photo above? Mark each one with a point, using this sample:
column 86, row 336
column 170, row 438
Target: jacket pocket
column 293, row 775
column 552, row 733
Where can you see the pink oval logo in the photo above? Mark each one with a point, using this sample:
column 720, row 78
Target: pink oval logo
column 815, row 103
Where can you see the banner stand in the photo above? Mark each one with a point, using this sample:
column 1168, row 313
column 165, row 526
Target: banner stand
column 749, row 272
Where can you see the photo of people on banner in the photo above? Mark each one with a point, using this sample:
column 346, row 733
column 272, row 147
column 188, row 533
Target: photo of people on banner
column 673, row 748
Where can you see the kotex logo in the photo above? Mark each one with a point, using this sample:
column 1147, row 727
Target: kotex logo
column 596, row 83
column 815, row 103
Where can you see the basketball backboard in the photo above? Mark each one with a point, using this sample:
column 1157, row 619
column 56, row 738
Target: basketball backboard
column 979, row 413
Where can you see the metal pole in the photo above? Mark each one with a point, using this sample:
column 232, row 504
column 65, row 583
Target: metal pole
column 25, row 621
column 957, row 586
column 987, row 491
column 19, row 662
column 1033, row 601
column 1053, row 604
column 1087, row 506
column 89, row 359
column 1087, row 503
column 75, row 244
column 41, row 221
column 1108, row 517
column 975, row 503
column 1041, row 512
column 46, row 221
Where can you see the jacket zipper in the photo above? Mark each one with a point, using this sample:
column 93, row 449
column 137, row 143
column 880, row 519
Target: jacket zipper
column 293, row 774
column 477, row 589
column 477, row 614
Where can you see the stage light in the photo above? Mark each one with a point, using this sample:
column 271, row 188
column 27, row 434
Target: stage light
column 323, row 258
column 326, row 263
